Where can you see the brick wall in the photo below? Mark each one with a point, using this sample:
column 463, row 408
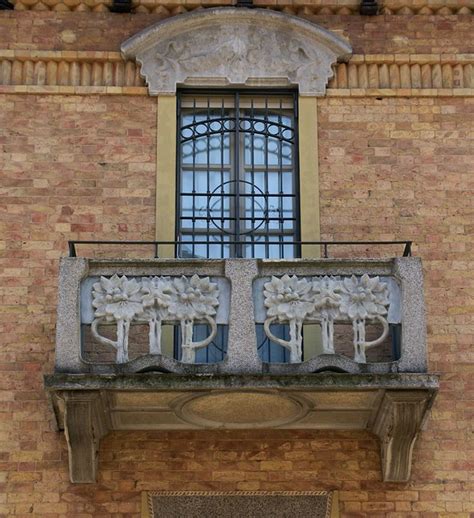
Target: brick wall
column 418, row 34
column 71, row 168
column 78, row 167
column 404, row 168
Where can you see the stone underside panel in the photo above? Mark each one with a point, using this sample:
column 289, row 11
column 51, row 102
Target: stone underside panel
column 392, row 406
column 241, row 409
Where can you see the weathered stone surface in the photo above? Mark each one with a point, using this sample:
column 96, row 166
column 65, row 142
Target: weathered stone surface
column 228, row 46
column 68, row 328
column 242, row 356
column 398, row 422
column 320, row 381
column 410, row 273
column 85, row 423
column 241, row 409
column 392, row 406
column 402, row 278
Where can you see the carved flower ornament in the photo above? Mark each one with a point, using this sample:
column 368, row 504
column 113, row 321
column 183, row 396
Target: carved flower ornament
column 117, row 298
column 154, row 300
column 364, row 297
column 326, row 300
column 288, row 298
column 327, row 303
column 156, row 295
column 328, row 295
column 192, row 299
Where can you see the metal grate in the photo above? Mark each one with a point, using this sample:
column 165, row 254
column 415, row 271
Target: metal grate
column 237, row 175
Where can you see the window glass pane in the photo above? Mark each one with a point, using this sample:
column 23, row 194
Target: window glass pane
column 237, row 175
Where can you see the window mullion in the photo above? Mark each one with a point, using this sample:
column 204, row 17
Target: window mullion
column 266, row 197
column 208, row 180
column 252, row 157
column 223, row 201
column 236, row 183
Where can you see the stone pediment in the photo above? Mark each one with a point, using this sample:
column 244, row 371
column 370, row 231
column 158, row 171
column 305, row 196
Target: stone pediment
column 235, row 46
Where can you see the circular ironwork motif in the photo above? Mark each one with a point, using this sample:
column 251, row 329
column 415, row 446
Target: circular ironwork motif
column 254, row 126
column 216, row 208
column 206, row 128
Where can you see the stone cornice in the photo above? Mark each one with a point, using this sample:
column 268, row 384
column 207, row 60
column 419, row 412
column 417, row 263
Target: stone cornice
column 299, row 7
column 69, row 72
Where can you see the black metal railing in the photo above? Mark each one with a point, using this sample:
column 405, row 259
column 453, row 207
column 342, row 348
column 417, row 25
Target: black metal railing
column 177, row 244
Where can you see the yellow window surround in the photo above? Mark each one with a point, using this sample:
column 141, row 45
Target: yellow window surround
column 166, row 173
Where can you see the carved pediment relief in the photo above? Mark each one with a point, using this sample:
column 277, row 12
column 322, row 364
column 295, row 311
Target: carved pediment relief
column 235, row 46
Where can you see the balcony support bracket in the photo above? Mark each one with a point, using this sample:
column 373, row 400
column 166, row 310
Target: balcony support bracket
column 392, row 406
column 84, row 426
column 398, row 422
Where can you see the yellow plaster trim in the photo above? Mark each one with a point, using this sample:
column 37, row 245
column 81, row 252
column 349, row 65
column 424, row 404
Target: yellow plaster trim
column 146, row 512
column 309, row 173
column 335, row 505
column 166, row 173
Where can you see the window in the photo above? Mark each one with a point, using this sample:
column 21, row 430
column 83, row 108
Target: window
column 237, row 164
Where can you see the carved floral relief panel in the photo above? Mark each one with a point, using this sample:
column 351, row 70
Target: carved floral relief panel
column 229, row 46
column 154, row 300
column 191, row 300
column 326, row 300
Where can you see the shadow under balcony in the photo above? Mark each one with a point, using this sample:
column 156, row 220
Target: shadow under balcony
column 163, row 344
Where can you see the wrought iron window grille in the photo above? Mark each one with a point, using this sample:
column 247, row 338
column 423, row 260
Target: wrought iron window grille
column 238, row 187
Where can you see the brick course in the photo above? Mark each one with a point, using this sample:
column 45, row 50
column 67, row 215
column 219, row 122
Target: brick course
column 417, row 34
column 404, row 168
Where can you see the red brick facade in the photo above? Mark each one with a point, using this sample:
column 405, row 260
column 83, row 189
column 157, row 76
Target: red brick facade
column 83, row 167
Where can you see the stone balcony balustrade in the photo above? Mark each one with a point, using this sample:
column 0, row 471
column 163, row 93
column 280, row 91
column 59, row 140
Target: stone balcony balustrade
column 131, row 336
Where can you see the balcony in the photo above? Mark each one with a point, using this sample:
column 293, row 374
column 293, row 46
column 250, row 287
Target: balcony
column 188, row 344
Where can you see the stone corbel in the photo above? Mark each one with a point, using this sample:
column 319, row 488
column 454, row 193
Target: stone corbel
column 397, row 425
column 84, row 425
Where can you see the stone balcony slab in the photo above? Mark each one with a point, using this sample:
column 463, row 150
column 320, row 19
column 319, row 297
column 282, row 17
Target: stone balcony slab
column 134, row 382
column 392, row 406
